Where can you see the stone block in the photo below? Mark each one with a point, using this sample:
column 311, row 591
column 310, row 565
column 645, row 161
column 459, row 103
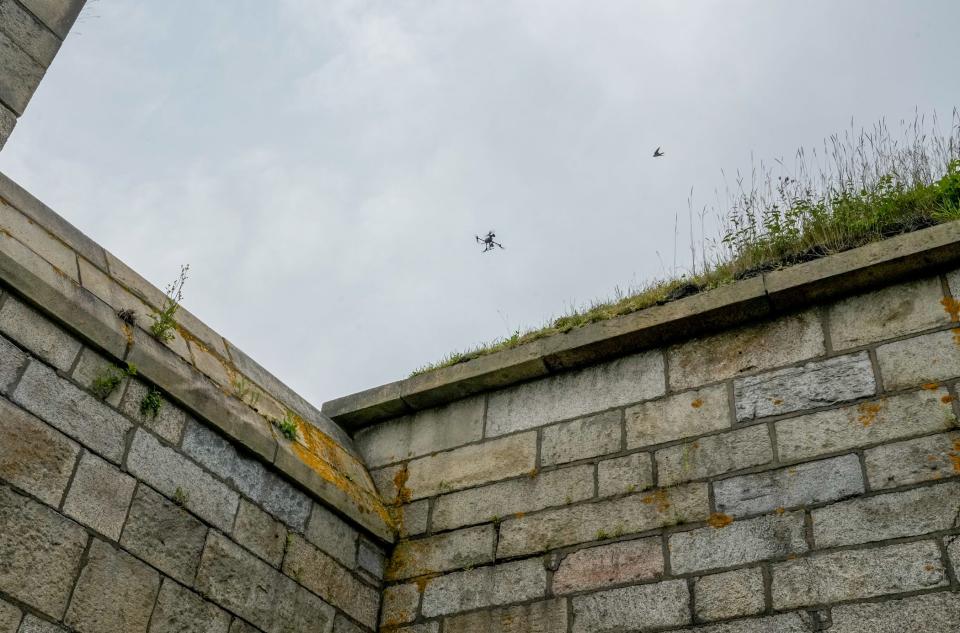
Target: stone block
column 400, row 604
column 624, row 474
column 168, row 471
column 576, row 393
column 605, row 565
column 73, row 411
column 58, row 15
column 953, row 551
column 737, row 543
column 430, row 627
column 930, row 613
column 603, row 519
column 28, row 33
column 239, row 626
column 422, row 433
column 114, row 594
column 168, row 423
column 549, row 616
column 485, row 587
column 813, row 482
column 390, row 482
column 909, row 513
column 332, row 535
column 657, row 606
column 798, row 622
column 411, row 519
column 729, row 595
column 526, row 494
column 753, row 347
column 250, row 588
column 41, row 553
column 857, row 574
column 443, row 552
column 371, row 559
column 9, row 617
column 179, row 610
column 582, row 438
column 919, row 360
column 12, row 360
column 52, row 250
column 33, row 624
column 33, row 456
column 99, row 496
column 164, row 535
column 675, row 417
column 714, row 455
column 214, row 367
column 817, row 384
column 472, row 465
column 260, row 533
column 342, row 625
column 328, row 579
column 91, row 366
column 923, row 459
column 8, row 121
column 38, row 334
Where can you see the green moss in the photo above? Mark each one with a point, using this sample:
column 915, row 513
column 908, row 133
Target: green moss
column 151, row 403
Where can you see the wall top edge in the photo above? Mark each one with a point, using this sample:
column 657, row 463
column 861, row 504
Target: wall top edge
column 777, row 292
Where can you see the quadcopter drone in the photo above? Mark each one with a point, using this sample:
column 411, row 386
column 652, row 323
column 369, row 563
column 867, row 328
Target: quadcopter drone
column 488, row 242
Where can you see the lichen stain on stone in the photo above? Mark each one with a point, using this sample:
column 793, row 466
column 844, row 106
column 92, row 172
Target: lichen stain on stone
column 931, row 386
column 867, row 412
column 946, row 399
column 777, row 401
column 660, row 499
column 954, row 456
column 696, row 404
column 780, row 511
column 719, row 520
column 952, row 307
column 404, row 494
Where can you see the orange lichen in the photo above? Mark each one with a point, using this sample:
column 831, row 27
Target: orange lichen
column 719, row 520
column 956, row 335
column 780, row 510
column 400, row 482
column 696, row 404
column 777, row 402
column 660, row 499
column 930, row 386
column 868, row 412
column 954, row 456
column 952, row 307
column 946, row 399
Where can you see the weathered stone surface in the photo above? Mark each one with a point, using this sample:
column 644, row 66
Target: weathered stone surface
column 400, row 604
column 9, row 617
column 754, row 347
column 651, row 606
column 91, row 366
column 714, row 455
column 594, row 521
column 785, row 623
column 164, row 535
column 813, row 482
column 485, row 587
column 953, row 551
column 581, row 438
column 683, row 415
column 8, row 121
column 40, row 551
column 930, row 613
column 342, row 625
column 39, row 335
column 576, row 393
column 847, row 575
column 28, row 33
column 867, row 423
column 817, row 384
column 168, row 423
column 59, row 15
column 614, row 564
column 919, row 360
column 249, row 587
column 913, row 461
column 389, row 481
column 33, row 624
column 328, row 579
column 260, row 533
column 33, row 456
column 332, row 535
column 114, row 594
column 181, row 611
column 210, row 365
column 32, row 326
column 549, row 616
column 12, row 360
column 729, row 595
column 471, row 465
column 452, row 550
column 239, row 626
column 422, row 433
column 75, row 412
column 624, row 474
column 526, row 494
column 411, row 519
column 371, row 559
column 740, row 542
column 430, row 627
column 99, row 496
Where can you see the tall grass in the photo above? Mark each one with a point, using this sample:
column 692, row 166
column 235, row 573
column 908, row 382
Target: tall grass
column 860, row 186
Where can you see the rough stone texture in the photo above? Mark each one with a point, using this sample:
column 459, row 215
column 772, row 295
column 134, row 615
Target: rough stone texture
column 239, row 626
column 580, row 439
column 164, row 535
column 919, row 360
column 114, row 594
column 99, row 496
column 931, row 613
column 169, row 421
column 39, row 335
column 754, row 347
column 21, row 322
column 852, row 574
column 371, row 559
column 785, row 623
column 332, row 535
column 729, row 595
column 8, row 121
column 168, row 471
column 595, row 521
column 887, row 313
column 539, row 617
column 9, row 617
column 92, row 365
column 653, row 606
column 816, row 384
column 714, row 455
column 485, row 587
column 412, row 518
column 867, row 423
column 431, row 627
column 576, row 393
column 471, row 465
column 342, row 625
column 28, row 33
column 526, row 494
column 260, row 594
column 33, row 456
column 258, row 532
column 75, row 412
column 813, row 482
column 624, row 474
column 740, row 542
column 953, row 551
column 12, row 360
column 423, row 433
column 33, row 624
column 683, row 415
column 913, row 461
column 400, row 604
column 452, row 550
column 33, row 571
column 605, row 565
column 59, row 15
column 181, row 611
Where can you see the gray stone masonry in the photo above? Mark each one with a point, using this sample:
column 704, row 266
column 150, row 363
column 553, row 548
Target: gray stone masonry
column 485, row 587
column 657, row 606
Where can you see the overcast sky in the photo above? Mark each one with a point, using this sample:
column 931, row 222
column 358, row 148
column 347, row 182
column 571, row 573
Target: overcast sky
column 323, row 166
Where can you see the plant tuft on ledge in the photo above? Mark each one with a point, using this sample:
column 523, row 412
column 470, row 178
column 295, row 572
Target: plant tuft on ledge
column 151, row 403
column 287, row 426
column 163, row 319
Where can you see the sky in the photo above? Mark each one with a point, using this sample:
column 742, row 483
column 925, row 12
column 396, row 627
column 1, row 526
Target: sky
column 323, row 166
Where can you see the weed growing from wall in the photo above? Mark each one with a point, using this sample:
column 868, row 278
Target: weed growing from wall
column 109, row 378
column 163, row 320
column 287, row 426
column 151, row 403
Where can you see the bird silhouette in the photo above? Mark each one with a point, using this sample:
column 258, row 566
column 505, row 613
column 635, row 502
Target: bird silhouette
column 657, row 153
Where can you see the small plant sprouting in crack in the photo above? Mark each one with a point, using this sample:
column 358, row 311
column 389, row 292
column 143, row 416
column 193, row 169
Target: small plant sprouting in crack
column 128, row 316
column 109, row 378
column 243, row 389
column 151, row 403
column 180, row 497
column 287, row 426
column 163, row 321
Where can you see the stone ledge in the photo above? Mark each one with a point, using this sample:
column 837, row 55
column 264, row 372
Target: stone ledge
column 778, row 292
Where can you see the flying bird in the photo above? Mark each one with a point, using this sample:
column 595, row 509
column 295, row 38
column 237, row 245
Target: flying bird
column 488, row 242
column 657, row 153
